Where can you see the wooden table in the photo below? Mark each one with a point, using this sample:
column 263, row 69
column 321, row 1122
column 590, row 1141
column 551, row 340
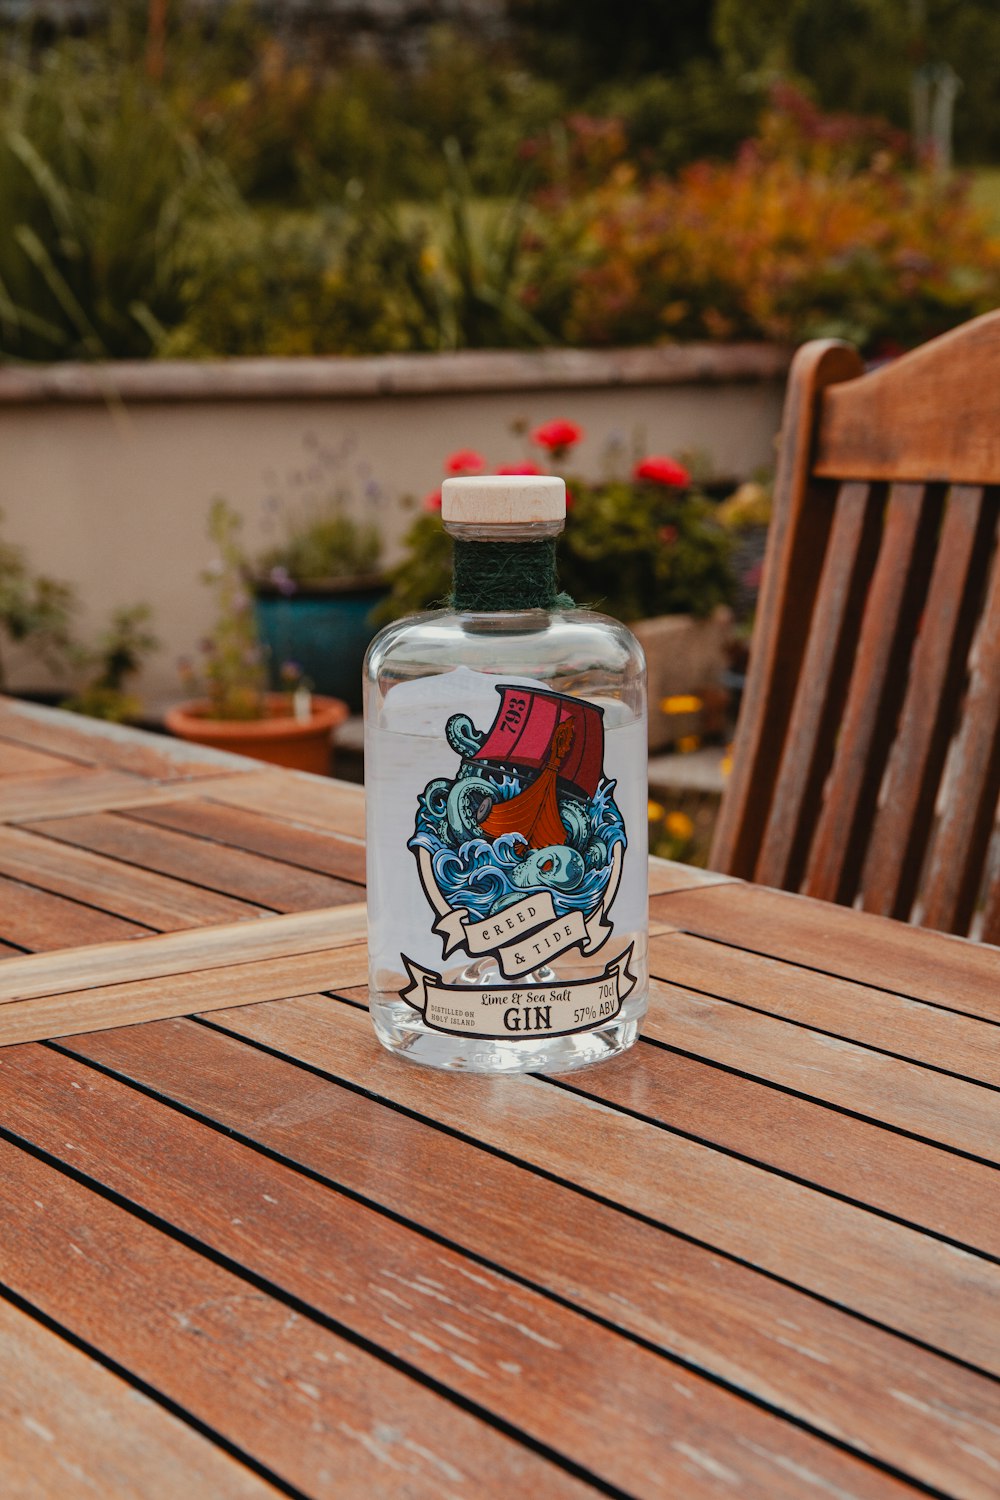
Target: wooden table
column 244, row 1252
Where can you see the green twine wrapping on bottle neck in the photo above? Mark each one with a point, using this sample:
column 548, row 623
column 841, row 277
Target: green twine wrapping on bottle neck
column 491, row 577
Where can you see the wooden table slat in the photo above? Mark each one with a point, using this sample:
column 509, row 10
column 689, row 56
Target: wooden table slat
column 19, row 760
column 337, row 806
column 265, row 882
column 177, row 953
column 97, row 742
column 909, row 1179
column 25, row 799
column 309, row 1405
column 424, row 1304
column 153, row 900
column 904, row 1095
column 41, row 921
column 129, row 1003
column 309, row 848
column 790, row 1350
column 69, row 1426
column 842, row 1008
column 911, row 961
column 669, row 875
column 838, row 1251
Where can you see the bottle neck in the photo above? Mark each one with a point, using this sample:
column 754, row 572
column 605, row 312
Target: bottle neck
column 495, row 577
column 500, row 569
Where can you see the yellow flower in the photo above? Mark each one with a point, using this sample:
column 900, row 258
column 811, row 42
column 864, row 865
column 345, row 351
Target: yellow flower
column 679, row 825
column 681, row 703
column 687, row 743
column 655, row 811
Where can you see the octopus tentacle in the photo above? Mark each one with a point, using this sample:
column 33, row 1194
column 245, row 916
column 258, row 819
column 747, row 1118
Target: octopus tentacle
column 468, row 802
column 575, row 821
column 463, row 736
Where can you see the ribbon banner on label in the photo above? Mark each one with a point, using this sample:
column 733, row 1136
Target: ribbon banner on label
column 509, row 1012
column 525, row 934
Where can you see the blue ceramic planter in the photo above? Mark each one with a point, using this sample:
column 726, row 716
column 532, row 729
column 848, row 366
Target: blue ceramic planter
column 324, row 629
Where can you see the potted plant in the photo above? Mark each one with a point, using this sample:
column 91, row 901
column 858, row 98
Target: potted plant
column 235, row 710
column 316, row 586
column 645, row 547
column 108, row 667
column 35, row 612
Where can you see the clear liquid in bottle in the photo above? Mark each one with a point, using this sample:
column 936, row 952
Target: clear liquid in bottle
column 506, row 792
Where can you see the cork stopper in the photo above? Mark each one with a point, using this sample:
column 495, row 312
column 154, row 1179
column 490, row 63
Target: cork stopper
column 517, row 500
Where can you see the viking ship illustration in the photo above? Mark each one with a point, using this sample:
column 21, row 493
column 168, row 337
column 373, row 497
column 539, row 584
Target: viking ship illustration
column 556, row 740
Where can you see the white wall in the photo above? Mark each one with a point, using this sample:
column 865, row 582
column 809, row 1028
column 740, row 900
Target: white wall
column 113, row 495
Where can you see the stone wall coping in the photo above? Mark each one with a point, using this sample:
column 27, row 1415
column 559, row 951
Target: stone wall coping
column 340, row 377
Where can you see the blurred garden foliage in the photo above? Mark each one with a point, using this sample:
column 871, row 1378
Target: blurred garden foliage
column 605, row 175
column 99, row 183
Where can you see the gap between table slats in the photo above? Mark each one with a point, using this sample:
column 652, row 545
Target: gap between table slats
column 921, row 1413
column 838, row 1251
column 910, row 962
column 313, row 1407
column 70, row 1426
column 485, row 1339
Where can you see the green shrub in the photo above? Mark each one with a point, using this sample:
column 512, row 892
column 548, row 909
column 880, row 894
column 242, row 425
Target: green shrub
column 670, row 119
column 294, row 129
column 108, row 667
column 815, row 230
column 326, row 284
column 637, row 546
column 365, row 279
column 97, row 187
column 233, row 674
column 35, row 610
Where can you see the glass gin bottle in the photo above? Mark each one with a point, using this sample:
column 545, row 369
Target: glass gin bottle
column 505, row 770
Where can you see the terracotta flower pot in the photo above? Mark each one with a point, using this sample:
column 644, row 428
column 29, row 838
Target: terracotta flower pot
column 279, row 739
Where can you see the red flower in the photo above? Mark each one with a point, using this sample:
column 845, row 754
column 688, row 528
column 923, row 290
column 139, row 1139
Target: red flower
column 557, row 436
column 526, row 468
column 432, row 502
column 660, row 470
column 465, row 461
column 668, row 535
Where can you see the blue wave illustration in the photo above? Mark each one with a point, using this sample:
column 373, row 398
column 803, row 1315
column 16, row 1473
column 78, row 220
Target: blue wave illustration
column 485, row 876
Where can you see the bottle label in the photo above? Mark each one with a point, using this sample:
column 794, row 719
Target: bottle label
column 520, row 857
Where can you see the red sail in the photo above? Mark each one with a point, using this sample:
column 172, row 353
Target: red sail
column 534, row 813
column 522, row 733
